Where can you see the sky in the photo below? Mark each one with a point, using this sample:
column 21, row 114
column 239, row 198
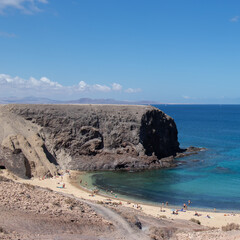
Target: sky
column 168, row 51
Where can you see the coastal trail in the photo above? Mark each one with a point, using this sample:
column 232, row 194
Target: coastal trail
column 125, row 231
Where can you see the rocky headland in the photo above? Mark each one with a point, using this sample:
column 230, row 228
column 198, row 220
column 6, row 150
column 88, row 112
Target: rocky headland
column 37, row 140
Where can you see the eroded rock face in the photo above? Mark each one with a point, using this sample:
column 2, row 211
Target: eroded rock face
column 32, row 148
column 158, row 134
column 90, row 137
column 15, row 162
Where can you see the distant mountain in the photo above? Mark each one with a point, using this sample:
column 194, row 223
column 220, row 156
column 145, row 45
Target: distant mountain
column 96, row 101
column 28, row 100
column 36, row 100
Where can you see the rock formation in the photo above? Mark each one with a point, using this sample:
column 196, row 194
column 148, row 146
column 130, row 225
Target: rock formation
column 87, row 137
column 36, row 161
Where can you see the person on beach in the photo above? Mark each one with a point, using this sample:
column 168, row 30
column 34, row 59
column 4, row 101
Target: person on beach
column 184, row 206
column 161, row 209
column 175, row 212
column 197, row 214
column 139, row 207
column 166, row 204
column 189, row 202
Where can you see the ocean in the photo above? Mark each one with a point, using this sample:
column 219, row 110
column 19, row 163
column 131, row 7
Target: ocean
column 210, row 179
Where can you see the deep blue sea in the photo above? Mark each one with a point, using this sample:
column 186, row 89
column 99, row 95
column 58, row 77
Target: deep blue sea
column 210, row 179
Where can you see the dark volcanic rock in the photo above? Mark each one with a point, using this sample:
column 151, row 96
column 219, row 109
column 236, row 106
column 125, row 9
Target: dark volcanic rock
column 90, row 137
column 15, row 162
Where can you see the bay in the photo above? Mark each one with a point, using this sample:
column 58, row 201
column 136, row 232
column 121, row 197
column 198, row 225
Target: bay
column 210, row 179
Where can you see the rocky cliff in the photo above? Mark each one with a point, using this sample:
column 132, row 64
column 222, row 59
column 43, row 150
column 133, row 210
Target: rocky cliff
column 86, row 137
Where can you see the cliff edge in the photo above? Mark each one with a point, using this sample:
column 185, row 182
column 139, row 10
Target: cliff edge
column 44, row 138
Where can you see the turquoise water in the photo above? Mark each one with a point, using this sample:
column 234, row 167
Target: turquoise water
column 210, row 179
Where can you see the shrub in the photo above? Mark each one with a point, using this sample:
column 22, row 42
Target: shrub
column 56, row 203
column 161, row 233
column 70, row 201
column 195, row 221
column 29, row 186
column 2, row 230
column 230, row 227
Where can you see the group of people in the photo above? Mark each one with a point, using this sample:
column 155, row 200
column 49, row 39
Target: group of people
column 137, row 206
column 175, row 212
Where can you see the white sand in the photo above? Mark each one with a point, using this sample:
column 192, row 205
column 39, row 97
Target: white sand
column 217, row 219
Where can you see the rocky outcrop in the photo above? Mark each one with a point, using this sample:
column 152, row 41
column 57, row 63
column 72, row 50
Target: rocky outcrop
column 90, row 137
column 35, row 159
column 15, row 162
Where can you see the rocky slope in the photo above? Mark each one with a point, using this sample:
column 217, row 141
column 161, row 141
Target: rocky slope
column 85, row 137
column 29, row 212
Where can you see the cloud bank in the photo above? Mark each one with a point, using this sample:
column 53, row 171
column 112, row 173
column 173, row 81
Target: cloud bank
column 25, row 6
column 19, row 87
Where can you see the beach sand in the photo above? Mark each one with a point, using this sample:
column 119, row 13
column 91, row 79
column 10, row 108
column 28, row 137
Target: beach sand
column 215, row 219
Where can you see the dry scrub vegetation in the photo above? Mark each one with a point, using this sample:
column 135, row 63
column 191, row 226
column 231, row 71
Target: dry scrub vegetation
column 230, row 227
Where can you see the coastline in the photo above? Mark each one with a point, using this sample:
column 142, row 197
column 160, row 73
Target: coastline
column 215, row 219
column 86, row 176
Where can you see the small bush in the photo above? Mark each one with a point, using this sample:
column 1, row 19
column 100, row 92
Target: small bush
column 2, row 230
column 70, row 201
column 56, row 203
column 29, row 186
column 230, row 227
column 161, row 233
column 3, row 179
column 195, row 221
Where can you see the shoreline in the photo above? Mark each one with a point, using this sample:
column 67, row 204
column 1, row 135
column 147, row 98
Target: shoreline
column 124, row 197
column 207, row 218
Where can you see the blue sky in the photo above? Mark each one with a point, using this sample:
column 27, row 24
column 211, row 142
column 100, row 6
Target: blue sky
column 167, row 51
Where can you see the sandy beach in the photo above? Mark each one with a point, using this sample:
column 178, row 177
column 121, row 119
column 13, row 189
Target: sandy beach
column 209, row 219
column 43, row 209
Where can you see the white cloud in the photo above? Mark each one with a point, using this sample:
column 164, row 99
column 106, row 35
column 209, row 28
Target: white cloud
column 46, row 81
column 32, row 83
column 7, row 35
column 45, row 86
column 82, row 86
column 116, row 87
column 133, row 90
column 186, row 97
column 234, row 19
column 25, row 6
column 101, row 88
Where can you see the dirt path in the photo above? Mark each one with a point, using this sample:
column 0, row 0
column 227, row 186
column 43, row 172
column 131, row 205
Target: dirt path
column 122, row 226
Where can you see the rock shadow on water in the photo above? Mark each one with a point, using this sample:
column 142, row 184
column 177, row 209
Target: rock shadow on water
column 222, row 170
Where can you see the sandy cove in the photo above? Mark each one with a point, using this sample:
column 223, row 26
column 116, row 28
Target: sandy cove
column 216, row 220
